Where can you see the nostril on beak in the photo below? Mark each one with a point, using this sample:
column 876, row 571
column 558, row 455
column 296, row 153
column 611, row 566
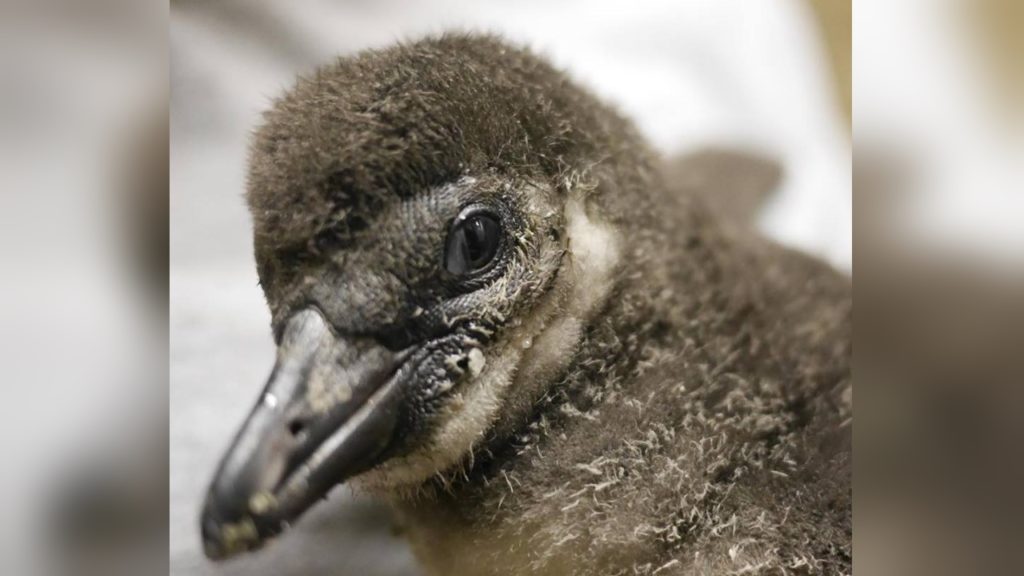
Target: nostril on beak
column 297, row 426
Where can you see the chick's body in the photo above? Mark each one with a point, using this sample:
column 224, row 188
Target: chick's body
column 702, row 427
column 679, row 400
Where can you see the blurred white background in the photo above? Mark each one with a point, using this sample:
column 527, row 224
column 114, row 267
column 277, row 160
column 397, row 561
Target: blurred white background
column 748, row 75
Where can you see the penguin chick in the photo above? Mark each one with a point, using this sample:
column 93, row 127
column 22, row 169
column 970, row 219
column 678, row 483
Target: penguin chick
column 493, row 311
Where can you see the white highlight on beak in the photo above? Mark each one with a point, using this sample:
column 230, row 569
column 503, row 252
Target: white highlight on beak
column 270, row 400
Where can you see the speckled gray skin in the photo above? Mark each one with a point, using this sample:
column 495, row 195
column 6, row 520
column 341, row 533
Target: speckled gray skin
column 697, row 421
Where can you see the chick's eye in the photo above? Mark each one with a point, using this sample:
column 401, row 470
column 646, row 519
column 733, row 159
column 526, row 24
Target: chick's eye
column 472, row 243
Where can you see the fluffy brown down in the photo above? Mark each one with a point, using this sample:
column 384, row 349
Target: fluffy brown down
column 703, row 425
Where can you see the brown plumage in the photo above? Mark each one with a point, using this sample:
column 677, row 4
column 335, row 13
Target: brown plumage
column 688, row 411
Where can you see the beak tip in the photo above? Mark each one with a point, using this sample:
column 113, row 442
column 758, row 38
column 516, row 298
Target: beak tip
column 223, row 539
column 212, row 543
column 213, row 551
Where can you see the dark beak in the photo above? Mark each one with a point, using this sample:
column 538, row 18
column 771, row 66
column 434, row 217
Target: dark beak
column 327, row 413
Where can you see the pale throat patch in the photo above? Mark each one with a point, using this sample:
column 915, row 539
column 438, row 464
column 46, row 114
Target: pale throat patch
column 527, row 358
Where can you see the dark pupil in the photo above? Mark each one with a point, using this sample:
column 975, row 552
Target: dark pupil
column 472, row 244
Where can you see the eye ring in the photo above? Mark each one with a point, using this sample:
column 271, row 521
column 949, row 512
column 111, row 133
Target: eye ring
column 474, row 242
